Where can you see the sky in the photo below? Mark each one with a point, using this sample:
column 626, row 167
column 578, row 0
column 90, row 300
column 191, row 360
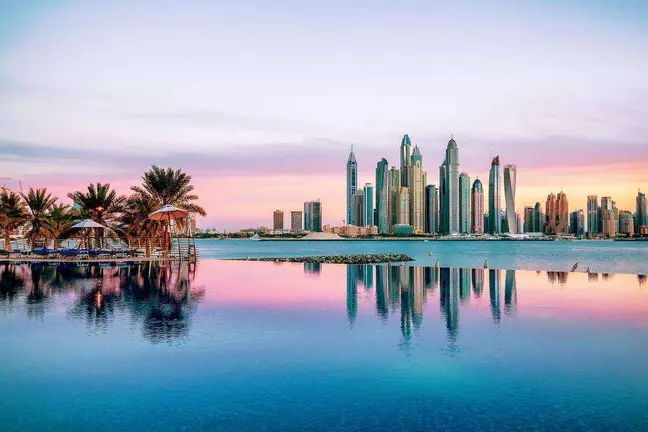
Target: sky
column 260, row 101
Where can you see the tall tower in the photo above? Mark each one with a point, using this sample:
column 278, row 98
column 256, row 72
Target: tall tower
column 494, row 201
column 368, row 205
column 431, row 209
column 452, row 183
column 394, row 193
column 405, row 160
column 510, row 177
column 477, row 225
column 443, row 198
column 351, row 186
column 538, row 218
column 592, row 215
column 464, row 203
column 403, row 207
column 417, row 191
column 382, row 196
column 641, row 215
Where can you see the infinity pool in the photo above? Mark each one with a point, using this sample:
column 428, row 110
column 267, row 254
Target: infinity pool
column 247, row 346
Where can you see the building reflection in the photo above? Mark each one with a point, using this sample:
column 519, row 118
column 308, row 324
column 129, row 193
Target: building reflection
column 352, row 293
column 382, row 293
column 592, row 277
column 478, row 282
column 510, row 293
column 494, row 278
column 161, row 299
column 641, row 279
column 449, row 301
column 312, row 268
column 555, row 276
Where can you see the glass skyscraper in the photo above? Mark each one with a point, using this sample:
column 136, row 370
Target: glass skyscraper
column 494, row 201
column 510, row 177
column 405, row 160
column 477, row 198
column 431, row 209
column 449, row 189
column 464, row 203
column 351, row 186
column 367, row 205
column 593, row 215
column 382, row 196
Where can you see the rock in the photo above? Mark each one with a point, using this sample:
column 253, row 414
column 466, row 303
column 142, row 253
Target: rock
column 338, row 259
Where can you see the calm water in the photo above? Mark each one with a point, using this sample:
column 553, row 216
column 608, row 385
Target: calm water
column 599, row 256
column 247, row 346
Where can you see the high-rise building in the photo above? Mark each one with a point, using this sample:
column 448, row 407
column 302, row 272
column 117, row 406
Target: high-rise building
column 382, row 196
column 405, row 160
column 494, row 201
column 351, row 185
column 592, row 215
column 518, row 221
column 641, row 215
column 608, row 223
column 417, row 180
column 477, row 224
column 450, row 187
column 510, row 177
column 464, row 203
column 278, row 220
column 626, row 223
column 528, row 219
column 431, row 209
column 577, row 223
column 394, row 193
column 403, row 207
column 443, row 198
column 313, row 216
column 557, row 214
column 538, row 218
column 296, row 220
column 367, row 206
column 359, row 208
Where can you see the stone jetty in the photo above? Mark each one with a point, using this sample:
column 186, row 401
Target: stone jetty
column 337, row 259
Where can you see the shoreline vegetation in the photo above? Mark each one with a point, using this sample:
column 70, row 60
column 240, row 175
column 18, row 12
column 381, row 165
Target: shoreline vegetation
column 336, row 259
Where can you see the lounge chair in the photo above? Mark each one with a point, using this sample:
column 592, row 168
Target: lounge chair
column 74, row 253
column 43, row 252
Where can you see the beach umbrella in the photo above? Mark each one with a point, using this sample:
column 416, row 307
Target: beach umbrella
column 88, row 224
column 165, row 214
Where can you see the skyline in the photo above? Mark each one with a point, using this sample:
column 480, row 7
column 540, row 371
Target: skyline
column 94, row 92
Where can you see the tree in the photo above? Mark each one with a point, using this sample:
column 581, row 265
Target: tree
column 99, row 203
column 39, row 202
column 169, row 186
column 59, row 220
column 135, row 219
column 13, row 214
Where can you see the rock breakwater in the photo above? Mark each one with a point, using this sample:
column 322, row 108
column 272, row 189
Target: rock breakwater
column 337, row 259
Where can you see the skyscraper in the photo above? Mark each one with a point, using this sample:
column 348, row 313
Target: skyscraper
column 443, row 198
column 641, row 215
column 494, row 203
column 351, row 185
column 417, row 180
column 358, row 206
column 403, row 206
column 431, row 209
column 510, row 177
column 464, row 203
column 313, row 216
column 577, row 223
column 405, row 160
column 538, row 218
column 451, row 188
column 296, row 220
column 367, row 206
column 477, row 225
column 557, row 214
column 394, row 193
column 592, row 215
column 528, row 219
column 278, row 220
column 382, row 196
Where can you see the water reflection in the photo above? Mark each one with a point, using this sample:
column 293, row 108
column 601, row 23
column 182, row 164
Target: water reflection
column 160, row 299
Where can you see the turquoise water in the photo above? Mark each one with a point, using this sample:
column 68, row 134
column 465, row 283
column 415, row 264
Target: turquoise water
column 246, row 346
column 599, row 256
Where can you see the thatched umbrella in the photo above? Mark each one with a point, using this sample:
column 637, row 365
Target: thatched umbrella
column 88, row 224
column 166, row 213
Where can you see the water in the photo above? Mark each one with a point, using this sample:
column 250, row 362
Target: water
column 246, row 346
column 599, row 256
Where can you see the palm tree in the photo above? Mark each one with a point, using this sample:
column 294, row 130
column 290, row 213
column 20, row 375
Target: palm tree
column 169, row 186
column 99, row 203
column 135, row 219
column 13, row 213
column 59, row 220
column 39, row 202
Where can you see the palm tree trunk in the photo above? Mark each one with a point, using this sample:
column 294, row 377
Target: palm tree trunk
column 148, row 247
column 7, row 242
